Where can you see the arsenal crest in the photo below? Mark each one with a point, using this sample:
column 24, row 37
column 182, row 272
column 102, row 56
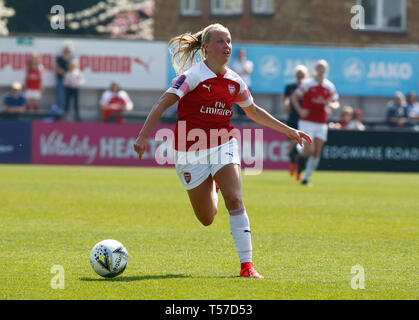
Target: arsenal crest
column 187, row 176
column 232, row 89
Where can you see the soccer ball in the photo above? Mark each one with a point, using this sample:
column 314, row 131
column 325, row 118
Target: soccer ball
column 109, row 258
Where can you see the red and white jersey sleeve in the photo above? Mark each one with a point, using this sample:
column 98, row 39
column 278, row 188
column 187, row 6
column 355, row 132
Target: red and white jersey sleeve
column 315, row 98
column 183, row 84
column 206, row 101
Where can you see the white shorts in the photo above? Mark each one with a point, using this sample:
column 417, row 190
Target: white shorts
column 313, row 129
column 33, row 94
column 194, row 167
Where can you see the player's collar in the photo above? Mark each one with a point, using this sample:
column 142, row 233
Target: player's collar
column 218, row 75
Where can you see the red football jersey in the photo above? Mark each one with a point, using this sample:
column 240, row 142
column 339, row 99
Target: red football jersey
column 33, row 79
column 206, row 101
column 315, row 98
column 121, row 99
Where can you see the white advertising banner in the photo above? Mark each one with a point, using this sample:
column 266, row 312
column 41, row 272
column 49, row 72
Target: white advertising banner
column 136, row 65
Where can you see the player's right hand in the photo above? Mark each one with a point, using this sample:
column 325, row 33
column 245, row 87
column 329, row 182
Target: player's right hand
column 140, row 146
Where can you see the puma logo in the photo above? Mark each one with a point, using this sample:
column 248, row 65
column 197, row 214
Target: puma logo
column 207, row 86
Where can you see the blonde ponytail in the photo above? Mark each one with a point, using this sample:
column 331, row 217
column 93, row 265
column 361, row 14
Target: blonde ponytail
column 187, row 49
column 184, row 49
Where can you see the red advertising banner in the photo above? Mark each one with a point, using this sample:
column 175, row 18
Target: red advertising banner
column 112, row 145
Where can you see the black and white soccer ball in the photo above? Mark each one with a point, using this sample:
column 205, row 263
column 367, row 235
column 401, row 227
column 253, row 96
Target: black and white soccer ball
column 109, row 258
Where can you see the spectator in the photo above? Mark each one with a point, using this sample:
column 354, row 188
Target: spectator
column 73, row 79
column 356, row 122
column 114, row 102
column 344, row 118
column 244, row 68
column 397, row 111
column 61, row 67
column 412, row 106
column 413, row 111
column 33, row 83
column 14, row 102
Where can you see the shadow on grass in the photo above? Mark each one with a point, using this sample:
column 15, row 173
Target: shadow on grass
column 139, row 278
column 217, row 277
column 155, row 277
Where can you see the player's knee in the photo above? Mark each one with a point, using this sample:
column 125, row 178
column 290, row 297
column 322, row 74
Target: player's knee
column 207, row 218
column 233, row 201
column 318, row 152
column 309, row 152
column 207, row 221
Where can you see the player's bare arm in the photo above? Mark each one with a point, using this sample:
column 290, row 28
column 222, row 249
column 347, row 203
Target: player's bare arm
column 165, row 101
column 295, row 101
column 258, row 115
column 331, row 106
column 334, row 104
column 286, row 103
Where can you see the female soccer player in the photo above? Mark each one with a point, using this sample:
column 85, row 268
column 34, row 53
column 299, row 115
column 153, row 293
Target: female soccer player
column 301, row 73
column 319, row 97
column 206, row 93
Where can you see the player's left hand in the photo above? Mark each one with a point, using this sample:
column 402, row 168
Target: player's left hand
column 298, row 136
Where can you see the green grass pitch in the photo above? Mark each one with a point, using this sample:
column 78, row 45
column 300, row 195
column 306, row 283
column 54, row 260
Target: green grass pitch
column 305, row 240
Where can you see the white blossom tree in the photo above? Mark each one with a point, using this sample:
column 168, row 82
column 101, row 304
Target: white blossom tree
column 5, row 13
column 125, row 22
